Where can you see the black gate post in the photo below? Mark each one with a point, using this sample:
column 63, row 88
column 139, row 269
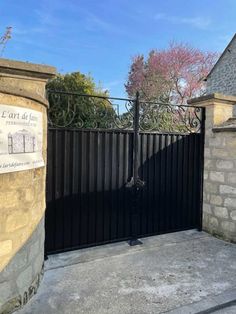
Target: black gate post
column 136, row 138
column 135, row 184
column 201, row 177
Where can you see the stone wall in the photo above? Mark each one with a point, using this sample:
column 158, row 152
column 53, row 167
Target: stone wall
column 219, row 189
column 22, row 193
column 220, row 184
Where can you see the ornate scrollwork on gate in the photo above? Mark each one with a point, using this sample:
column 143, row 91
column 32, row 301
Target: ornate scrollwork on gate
column 170, row 118
column 85, row 111
column 73, row 110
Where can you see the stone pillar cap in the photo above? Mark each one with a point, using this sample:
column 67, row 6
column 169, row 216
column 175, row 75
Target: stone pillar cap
column 26, row 69
column 215, row 97
column 15, row 77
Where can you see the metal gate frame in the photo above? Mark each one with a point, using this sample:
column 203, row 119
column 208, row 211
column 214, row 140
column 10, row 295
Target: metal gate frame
column 192, row 121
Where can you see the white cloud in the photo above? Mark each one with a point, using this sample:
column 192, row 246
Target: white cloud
column 197, row 21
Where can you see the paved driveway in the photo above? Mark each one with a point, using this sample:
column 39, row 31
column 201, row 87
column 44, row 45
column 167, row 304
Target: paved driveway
column 184, row 272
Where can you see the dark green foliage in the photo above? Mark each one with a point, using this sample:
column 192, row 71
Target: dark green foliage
column 75, row 110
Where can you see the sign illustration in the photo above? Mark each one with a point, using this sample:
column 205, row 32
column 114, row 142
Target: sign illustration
column 21, row 138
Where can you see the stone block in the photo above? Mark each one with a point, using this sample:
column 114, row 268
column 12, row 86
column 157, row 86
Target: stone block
column 230, row 202
column 34, row 250
column 207, row 208
column 38, row 264
column 224, row 164
column 205, row 221
column 222, row 112
column 25, row 278
column 232, row 177
column 210, row 187
column 209, row 164
column 221, row 212
column 233, row 215
column 206, row 197
column 231, row 154
column 219, row 153
column 216, row 141
column 18, row 263
column 227, row 189
column 217, row 176
column 231, row 142
column 5, row 292
column 213, row 223
column 206, row 175
column 42, row 241
column 16, row 181
column 5, row 247
column 16, row 221
column 216, row 199
column 29, row 195
column 228, row 226
column 207, row 152
column 8, row 199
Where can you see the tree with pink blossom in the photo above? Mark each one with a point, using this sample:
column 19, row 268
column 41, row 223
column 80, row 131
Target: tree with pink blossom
column 173, row 75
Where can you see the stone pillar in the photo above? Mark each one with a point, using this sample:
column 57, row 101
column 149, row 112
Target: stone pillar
column 219, row 188
column 22, row 193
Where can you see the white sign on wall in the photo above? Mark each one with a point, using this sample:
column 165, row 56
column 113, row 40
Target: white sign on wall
column 21, row 139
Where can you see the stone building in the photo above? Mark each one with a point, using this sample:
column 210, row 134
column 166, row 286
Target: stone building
column 222, row 77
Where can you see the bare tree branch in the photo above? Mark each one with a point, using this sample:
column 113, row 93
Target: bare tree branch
column 4, row 39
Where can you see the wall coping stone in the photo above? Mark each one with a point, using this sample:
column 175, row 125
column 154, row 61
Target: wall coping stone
column 19, row 70
column 228, row 126
column 26, row 69
column 219, row 98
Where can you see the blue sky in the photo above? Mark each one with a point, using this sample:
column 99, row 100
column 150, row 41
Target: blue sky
column 100, row 37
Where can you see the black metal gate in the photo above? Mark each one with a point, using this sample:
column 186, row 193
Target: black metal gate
column 121, row 176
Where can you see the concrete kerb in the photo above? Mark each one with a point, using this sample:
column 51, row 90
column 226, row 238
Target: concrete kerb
column 209, row 305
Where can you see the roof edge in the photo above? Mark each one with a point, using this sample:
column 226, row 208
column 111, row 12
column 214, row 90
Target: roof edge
column 223, row 53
